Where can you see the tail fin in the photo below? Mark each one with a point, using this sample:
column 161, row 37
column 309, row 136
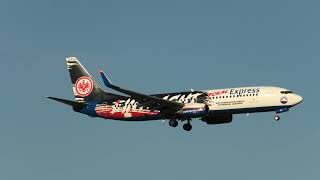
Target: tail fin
column 85, row 88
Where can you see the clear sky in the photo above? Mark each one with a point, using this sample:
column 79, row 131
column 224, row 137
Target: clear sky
column 153, row 47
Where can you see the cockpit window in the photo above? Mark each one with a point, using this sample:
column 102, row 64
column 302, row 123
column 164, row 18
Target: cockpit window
column 286, row 92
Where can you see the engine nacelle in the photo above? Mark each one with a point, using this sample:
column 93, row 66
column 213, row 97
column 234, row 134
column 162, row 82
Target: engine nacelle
column 193, row 110
column 217, row 119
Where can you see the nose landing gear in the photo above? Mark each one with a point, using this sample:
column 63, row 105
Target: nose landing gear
column 282, row 110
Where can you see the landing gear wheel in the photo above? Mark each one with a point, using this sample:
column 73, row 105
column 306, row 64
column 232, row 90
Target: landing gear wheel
column 277, row 118
column 187, row 127
column 173, row 123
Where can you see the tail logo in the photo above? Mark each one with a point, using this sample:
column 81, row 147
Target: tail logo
column 84, row 86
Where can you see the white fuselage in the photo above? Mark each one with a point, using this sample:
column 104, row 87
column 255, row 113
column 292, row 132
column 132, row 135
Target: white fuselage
column 251, row 99
column 198, row 104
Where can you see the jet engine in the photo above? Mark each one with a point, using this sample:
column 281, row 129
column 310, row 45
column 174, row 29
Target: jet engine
column 217, row 119
column 193, row 110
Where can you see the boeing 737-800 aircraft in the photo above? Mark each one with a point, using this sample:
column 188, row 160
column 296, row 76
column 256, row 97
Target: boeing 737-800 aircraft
column 211, row 106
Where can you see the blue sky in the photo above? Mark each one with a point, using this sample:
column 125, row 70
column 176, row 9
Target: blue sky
column 152, row 47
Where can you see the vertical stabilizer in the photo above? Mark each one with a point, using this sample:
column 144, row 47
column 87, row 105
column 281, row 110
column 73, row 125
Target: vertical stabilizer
column 85, row 88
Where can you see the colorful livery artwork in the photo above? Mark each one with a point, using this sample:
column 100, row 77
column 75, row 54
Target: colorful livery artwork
column 210, row 106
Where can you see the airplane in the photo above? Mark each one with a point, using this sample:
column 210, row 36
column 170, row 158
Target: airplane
column 215, row 106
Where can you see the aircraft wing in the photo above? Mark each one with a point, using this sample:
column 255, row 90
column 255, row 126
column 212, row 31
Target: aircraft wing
column 164, row 104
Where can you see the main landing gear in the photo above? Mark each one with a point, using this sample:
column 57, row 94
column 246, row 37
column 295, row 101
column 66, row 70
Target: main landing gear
column 173, row 123
column 186, row 127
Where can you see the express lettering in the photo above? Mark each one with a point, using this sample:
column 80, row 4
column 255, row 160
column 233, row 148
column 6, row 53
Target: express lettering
column 244, row 91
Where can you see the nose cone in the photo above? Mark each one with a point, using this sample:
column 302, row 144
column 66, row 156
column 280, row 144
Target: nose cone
column 299, row 99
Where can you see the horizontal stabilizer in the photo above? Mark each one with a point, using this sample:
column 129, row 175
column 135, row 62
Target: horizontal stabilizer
column 76, row 106
column 64, row 101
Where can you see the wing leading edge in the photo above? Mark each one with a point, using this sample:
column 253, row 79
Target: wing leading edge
column 164, row 104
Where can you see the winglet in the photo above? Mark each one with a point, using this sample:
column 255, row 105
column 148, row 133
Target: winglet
column 105, row 79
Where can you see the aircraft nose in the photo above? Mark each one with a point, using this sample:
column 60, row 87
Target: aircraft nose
column 299, row 99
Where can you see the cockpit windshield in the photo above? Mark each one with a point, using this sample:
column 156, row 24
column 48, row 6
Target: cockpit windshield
column 286, row 92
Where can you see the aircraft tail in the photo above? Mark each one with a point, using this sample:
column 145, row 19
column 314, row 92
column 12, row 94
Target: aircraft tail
column 85, row 88
column 77, row 106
